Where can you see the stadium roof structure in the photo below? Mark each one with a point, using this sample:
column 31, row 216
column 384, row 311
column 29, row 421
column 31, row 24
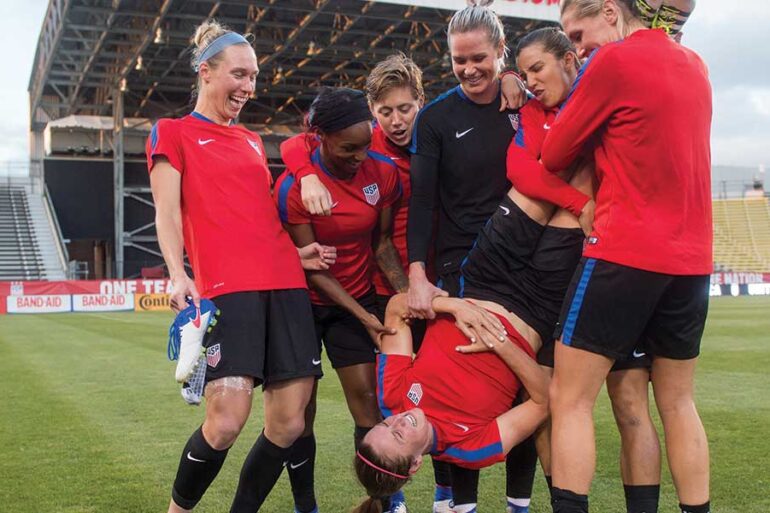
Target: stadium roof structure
column 89, row 50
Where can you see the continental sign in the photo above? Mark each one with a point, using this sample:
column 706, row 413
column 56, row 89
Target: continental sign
column 152, row 302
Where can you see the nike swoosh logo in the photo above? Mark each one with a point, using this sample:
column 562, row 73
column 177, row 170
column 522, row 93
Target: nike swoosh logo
column 316, row 362
column 460, row 134
column 547, row 126
column 395, row 158
column 197, row 320
column 464, row 428
column 506, row 210
column 292, row 466
column 204, row 142
column 638, row 355
column 191, row 458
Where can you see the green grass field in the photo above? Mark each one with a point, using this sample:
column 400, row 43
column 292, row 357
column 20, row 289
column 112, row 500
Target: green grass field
column 92, row 421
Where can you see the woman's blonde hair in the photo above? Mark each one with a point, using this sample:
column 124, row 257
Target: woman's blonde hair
column 590, row 8
column 395, row 71
column 205, row 33
column 478, row 16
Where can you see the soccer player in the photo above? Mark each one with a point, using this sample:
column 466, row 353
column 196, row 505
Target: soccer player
column 458, row 151
column 644, row 276
column 366, row 186
column 395, row 94
column 211, row 187
column 548, row 62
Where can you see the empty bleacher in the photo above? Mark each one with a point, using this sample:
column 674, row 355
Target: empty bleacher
column 28, row 248
column 742, row 234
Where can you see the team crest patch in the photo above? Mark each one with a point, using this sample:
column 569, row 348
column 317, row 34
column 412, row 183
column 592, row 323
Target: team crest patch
column 372, row 193
column 255, row 145
column 213, row 355
column 514, row 121
column 415, row 393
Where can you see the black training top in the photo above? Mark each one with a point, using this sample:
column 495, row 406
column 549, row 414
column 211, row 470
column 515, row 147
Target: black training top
column 458, row 152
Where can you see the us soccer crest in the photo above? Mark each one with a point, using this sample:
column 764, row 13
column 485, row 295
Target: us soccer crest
column 213, row 355
column 415, row 393
column 514, row 121
column 255, row 145
column 372, row 193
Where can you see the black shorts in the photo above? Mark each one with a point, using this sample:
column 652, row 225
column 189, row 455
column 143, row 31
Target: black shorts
column 614, row 310
column 346, row 340
column 267, row 335
column 418, row 325
column 503, row 248
column 638, row 359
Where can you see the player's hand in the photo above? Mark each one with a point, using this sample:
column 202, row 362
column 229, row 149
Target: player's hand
column 317, row 257
column 513, row 92
column 420, row 298
column 586, row 218
column 315, row 196
column 183, row 287
column 480, row 326
column 375, row 328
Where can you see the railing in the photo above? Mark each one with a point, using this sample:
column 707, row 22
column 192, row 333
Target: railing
column 53, row 222
column 728, row 189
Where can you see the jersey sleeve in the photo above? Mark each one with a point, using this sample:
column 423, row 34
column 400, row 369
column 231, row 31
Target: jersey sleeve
column 391, row 380
column 481, row 448
column 529, row 176
column 287, row 198
column 588, row 106
column 164, row 141
column 296, row 154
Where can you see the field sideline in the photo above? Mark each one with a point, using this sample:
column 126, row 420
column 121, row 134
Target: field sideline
column 92, row 421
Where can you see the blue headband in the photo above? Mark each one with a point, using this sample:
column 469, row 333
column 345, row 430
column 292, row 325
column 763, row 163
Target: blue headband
column 219, row 44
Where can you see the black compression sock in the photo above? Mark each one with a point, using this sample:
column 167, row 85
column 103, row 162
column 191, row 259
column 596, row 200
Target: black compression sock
column 465, row 485
column 198, row 466
column 358, row 434
column 642, row 499
column 703, row 508
column 301, row 468
column 565, row 501
column 520, row 467
column 259, row 473
column 442, row 474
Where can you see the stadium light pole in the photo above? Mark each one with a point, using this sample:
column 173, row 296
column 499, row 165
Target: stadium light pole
column 118, row 176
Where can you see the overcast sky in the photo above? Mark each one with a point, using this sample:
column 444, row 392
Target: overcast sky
column 730, row 35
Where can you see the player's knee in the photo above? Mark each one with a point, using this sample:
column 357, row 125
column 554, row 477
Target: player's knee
column 286, row 428
column 224, row 428
column 673, row 406
column 630, row 410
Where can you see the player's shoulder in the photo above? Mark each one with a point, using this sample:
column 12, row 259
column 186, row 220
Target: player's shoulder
column 442, row 104
column 284, row 184
column 381, row 161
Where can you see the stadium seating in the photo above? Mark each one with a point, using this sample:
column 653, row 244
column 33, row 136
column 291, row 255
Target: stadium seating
column 27, row 251
column 742, row 234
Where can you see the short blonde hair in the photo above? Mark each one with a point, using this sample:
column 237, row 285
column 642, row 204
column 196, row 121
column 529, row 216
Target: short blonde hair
column 396, row 71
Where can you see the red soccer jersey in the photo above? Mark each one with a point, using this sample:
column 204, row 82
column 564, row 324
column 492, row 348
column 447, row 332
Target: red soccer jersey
column 650, row 135
column 232, row 234
column 461, row 395
column 381, row 144
column 359, row 202
column 524, row 170
column 297, row 151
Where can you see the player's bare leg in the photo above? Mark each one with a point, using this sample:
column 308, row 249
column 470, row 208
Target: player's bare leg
column 686, row 443
column 640, row 448
column 228, row 405
column 359, row 382
column 578, row 378
column 284, row 404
